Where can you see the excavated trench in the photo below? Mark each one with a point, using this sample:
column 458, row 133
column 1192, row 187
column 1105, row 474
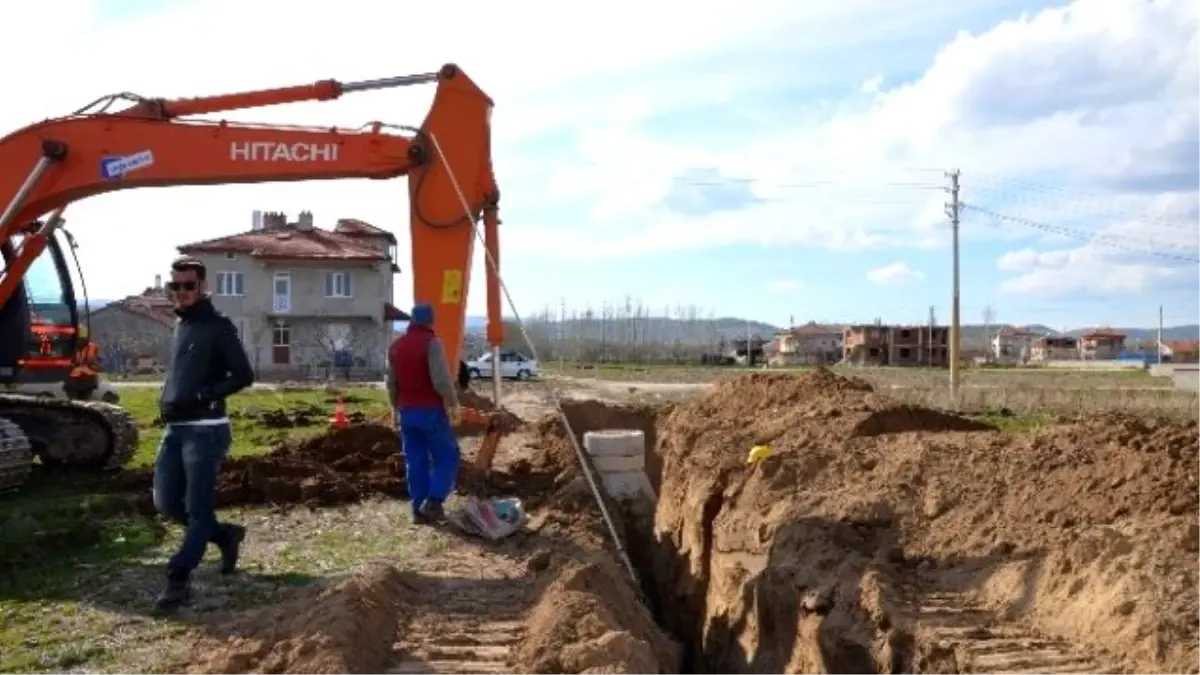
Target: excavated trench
column 887, row 538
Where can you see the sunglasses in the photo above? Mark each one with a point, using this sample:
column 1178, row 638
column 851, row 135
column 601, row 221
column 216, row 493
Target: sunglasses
column 176, row 286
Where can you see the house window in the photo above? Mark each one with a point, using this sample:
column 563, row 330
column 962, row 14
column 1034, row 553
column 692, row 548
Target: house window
column 231, row 283
column 338, row 285
column 281, row 334
column 230, row 255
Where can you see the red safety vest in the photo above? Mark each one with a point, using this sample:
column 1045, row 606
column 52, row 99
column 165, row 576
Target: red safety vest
column 409, row 356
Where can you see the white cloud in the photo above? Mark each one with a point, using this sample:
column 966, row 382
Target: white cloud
column 895, row 274
column 1111, row 75
column 835, row 174
column 785, row 285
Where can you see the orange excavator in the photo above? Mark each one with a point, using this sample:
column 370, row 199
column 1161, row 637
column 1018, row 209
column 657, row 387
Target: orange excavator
column 158, row 143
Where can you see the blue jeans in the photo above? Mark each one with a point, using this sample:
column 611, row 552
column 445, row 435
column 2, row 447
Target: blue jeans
column 185, row 482
column 430, row 454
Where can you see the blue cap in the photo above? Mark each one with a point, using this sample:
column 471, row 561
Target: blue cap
column 422, row 314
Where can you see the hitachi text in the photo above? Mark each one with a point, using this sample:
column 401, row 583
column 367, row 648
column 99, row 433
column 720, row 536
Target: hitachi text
column 269, row 151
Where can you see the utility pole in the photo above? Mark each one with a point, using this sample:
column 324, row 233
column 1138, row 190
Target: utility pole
column 932, row 323
column 1158, row 348
column 952, row 210
column 749, row 357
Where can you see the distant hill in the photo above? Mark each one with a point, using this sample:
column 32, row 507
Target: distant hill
column 654, row 328
column 94, row 305
column 1170, row 333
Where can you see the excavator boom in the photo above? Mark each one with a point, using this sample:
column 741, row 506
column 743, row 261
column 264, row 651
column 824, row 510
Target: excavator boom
column 46, row 166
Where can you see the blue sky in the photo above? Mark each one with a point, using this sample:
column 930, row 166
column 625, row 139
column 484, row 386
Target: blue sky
column 786, row 160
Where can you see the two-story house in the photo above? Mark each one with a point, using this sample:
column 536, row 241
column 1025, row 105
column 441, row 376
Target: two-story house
column 811, row 343
column 305, row 299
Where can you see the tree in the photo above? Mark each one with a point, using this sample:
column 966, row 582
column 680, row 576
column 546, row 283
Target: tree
column 335, row 347
column 989, row 319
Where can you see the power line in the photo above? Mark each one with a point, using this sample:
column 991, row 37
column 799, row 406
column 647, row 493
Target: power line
column 1115, row 241
column 1000, row 193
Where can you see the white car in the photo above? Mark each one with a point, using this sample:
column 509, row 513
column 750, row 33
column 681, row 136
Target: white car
column 513, row 366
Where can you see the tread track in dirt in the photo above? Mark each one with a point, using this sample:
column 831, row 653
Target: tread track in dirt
column 465, row 625
column 982, row 643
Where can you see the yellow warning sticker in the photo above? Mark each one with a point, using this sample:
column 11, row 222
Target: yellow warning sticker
column 452, row 287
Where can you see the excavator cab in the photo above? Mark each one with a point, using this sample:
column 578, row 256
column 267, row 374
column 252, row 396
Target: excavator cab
column 39, row 325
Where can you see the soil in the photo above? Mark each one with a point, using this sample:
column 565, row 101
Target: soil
column 590, row 620
column 550, row 599
column 875, row 538
column 338, row 466
column 346, row 627
column 881, row 538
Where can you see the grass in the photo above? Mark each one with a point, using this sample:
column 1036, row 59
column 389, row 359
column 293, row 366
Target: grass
column 250, row 437
column 78, row 569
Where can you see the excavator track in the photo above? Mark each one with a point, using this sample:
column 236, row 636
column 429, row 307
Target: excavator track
column 16, row 455
column 89, row 435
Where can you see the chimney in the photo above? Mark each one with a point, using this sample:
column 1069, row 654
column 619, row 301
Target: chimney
column 305, row 221
column 256, row 220
column 158, row 282
column 272, row 219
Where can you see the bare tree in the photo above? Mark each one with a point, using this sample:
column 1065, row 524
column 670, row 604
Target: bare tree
column 989, row 320
column 334, row 348
column 133, row 350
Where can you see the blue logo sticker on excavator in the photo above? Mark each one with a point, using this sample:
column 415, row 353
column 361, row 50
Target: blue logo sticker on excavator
column 115, row 168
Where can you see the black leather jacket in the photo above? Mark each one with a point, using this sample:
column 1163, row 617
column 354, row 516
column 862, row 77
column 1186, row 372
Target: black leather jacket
column 207, row 364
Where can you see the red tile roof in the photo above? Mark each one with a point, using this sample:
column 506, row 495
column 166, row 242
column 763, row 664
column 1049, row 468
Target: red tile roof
column 1103, row 333
column 290, row 242
column 1184, row 346
column 151, row 303
column 358, row 228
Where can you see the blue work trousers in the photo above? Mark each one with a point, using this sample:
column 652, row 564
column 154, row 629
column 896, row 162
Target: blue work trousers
column 185, row 482
column 430, row 454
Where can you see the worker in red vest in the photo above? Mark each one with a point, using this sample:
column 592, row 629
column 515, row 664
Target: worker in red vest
column 421, row 391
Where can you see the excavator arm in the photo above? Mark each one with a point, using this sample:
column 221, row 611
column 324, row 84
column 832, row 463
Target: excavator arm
column 46, row 166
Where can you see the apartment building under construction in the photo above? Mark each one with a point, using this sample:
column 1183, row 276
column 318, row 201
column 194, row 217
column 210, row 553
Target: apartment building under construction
column 880, row 345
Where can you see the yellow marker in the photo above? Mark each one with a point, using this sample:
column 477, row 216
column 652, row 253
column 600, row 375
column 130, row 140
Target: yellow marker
column 758, row 453
column 452, row 281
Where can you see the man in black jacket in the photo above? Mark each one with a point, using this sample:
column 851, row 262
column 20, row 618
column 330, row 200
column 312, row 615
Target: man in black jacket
column 206, row 365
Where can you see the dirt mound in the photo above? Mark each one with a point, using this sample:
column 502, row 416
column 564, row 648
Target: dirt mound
column 589, row 620
column 904, row 418
column 338, row 466
column 838, row 551
column 348, row 627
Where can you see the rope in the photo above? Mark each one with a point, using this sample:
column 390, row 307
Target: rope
column 609, row 523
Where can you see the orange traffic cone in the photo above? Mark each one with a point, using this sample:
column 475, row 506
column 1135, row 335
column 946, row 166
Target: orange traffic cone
column 339, row 419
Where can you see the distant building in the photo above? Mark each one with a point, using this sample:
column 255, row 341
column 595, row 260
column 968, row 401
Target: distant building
column 305, row 298
column 879, row 345
column 746, row 352
column 1054, row 348
column 810, row 344
column 134, row 332
column 1012, row 345
column 1183, row 351
column 1101, row 345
